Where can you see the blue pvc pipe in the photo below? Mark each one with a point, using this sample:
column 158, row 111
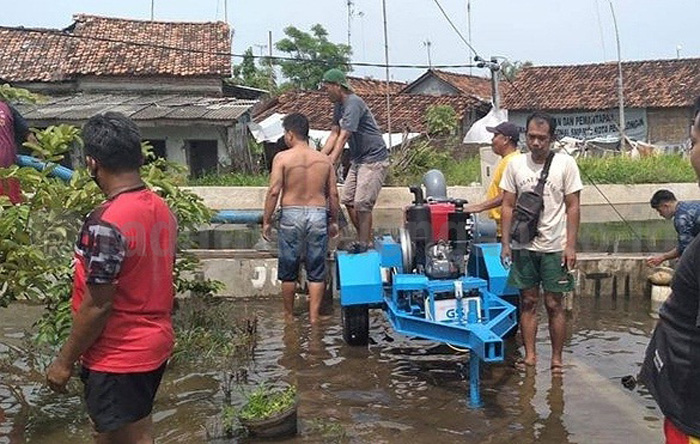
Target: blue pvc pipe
column 238, row 217
column 222, row 217
column 59, row 171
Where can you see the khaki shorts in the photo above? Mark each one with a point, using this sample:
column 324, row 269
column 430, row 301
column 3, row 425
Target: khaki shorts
column 363, row 183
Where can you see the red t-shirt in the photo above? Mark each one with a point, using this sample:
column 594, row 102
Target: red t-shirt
column 129, row 241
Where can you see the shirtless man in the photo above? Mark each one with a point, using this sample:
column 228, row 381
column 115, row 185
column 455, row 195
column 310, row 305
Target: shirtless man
column 309, row 202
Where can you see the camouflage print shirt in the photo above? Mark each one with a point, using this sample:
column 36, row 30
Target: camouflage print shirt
column 687, row 223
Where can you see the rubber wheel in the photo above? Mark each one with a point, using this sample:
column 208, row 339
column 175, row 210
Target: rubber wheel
column 355, row 324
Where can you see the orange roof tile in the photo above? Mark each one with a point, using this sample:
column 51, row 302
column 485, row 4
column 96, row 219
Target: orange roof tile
column 407, row 110
column 110, row 46
column 647, row 84
column 365, row 85
column 467, row 84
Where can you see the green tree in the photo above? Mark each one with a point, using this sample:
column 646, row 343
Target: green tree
column 314, row 55
column 37, row 235
column 248, row 73
column 441, row 120
column 510, row 69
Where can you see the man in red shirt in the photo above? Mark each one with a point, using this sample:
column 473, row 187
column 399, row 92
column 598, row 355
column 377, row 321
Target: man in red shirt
column 122, row 290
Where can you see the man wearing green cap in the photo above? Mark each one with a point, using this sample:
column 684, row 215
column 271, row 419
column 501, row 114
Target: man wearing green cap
column 354, row 123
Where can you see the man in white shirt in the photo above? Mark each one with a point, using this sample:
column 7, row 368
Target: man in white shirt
column 547, row 259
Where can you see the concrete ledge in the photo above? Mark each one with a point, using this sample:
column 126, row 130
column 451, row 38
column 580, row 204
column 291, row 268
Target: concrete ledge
column 250, row 273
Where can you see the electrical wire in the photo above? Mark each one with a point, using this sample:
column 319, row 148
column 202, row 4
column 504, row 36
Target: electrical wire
column 449, row 20
column 229, row 54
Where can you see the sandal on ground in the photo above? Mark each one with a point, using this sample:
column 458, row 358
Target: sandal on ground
column 521, row 365
column 557, row 369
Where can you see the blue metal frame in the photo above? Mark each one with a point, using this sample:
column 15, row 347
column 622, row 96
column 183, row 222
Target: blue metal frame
column 409, row 303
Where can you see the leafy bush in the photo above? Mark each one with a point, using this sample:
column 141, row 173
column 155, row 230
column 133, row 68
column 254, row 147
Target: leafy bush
column 263, row 402
column 441, row 120
column 37, row 235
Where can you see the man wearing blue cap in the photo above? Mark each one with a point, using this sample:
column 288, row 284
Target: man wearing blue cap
column 354, row 123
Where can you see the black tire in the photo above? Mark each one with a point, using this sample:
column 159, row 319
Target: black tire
column 355, row 324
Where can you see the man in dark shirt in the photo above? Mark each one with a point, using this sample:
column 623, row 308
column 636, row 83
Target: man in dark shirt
column 354, row 123
column 14, row 131
column 671, row 369
column 686, row 221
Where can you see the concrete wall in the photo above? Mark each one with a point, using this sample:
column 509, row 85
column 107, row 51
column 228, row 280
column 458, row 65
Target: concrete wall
column 165, row 84
column 247, row 273
column 434, row 86
column 669, row 126
column 632, row 201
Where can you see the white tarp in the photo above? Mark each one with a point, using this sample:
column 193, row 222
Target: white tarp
column 478, row 134
column 270, row 129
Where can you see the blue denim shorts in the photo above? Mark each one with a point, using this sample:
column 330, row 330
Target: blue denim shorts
column 303, row 235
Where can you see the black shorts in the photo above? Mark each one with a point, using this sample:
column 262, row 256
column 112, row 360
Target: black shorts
column 117, row 399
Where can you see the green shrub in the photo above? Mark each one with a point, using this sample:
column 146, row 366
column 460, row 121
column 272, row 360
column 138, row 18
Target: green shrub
column 264, row 402
column 625, row 170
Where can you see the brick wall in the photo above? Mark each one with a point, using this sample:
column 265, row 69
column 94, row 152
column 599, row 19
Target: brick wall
column 668, row 126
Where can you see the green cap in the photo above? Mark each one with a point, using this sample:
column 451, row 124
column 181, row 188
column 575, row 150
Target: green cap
column 335, row 75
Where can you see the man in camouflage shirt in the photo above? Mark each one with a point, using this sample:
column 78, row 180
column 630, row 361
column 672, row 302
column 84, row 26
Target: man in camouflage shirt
column 686, row 221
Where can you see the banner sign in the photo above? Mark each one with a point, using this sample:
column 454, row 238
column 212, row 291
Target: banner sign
column 591, row 125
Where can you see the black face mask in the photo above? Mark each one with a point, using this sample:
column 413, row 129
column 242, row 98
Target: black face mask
column 93, row 176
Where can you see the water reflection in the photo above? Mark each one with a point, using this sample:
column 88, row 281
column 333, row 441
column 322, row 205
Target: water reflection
column 609, row 237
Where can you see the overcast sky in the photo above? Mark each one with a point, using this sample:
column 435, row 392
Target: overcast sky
column 546, row 32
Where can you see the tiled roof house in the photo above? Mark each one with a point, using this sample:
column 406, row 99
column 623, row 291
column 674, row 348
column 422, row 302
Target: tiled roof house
column 167, row 76
column 658, row 97
column 439, row 83
column 407, row 110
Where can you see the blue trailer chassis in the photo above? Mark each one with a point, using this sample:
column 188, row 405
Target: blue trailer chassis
column 462, row 312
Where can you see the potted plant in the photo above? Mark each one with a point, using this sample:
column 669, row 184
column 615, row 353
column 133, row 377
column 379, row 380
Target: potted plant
column 270, row 413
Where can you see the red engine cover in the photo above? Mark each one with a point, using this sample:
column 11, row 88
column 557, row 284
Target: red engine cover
column 439, row 219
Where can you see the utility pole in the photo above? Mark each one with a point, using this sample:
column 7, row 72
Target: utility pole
column 469, row 31
column 269, row 45
column 427, row 44
column 362, row 32
column 153, row 8
column 349, row 22
column 494, row 67
column 386, row 61
column 260, row 48
column 620, row 90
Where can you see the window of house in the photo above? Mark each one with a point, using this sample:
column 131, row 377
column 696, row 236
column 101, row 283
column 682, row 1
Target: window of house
column 202, row 157
column 158, row 148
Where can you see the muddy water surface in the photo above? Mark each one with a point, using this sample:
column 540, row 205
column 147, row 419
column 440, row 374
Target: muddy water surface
column 396, row 390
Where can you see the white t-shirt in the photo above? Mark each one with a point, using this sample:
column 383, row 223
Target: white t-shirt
column 564, row 178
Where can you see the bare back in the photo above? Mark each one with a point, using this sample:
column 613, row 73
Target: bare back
column 305, row 174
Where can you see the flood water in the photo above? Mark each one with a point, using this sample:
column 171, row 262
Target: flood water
column 610, row 237
column 396, row 390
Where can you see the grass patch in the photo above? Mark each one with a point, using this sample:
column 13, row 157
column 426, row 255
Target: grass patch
column 329, row 431
column 230, row 180
column 211, row 331
column 625, row 170
column 408, row 168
